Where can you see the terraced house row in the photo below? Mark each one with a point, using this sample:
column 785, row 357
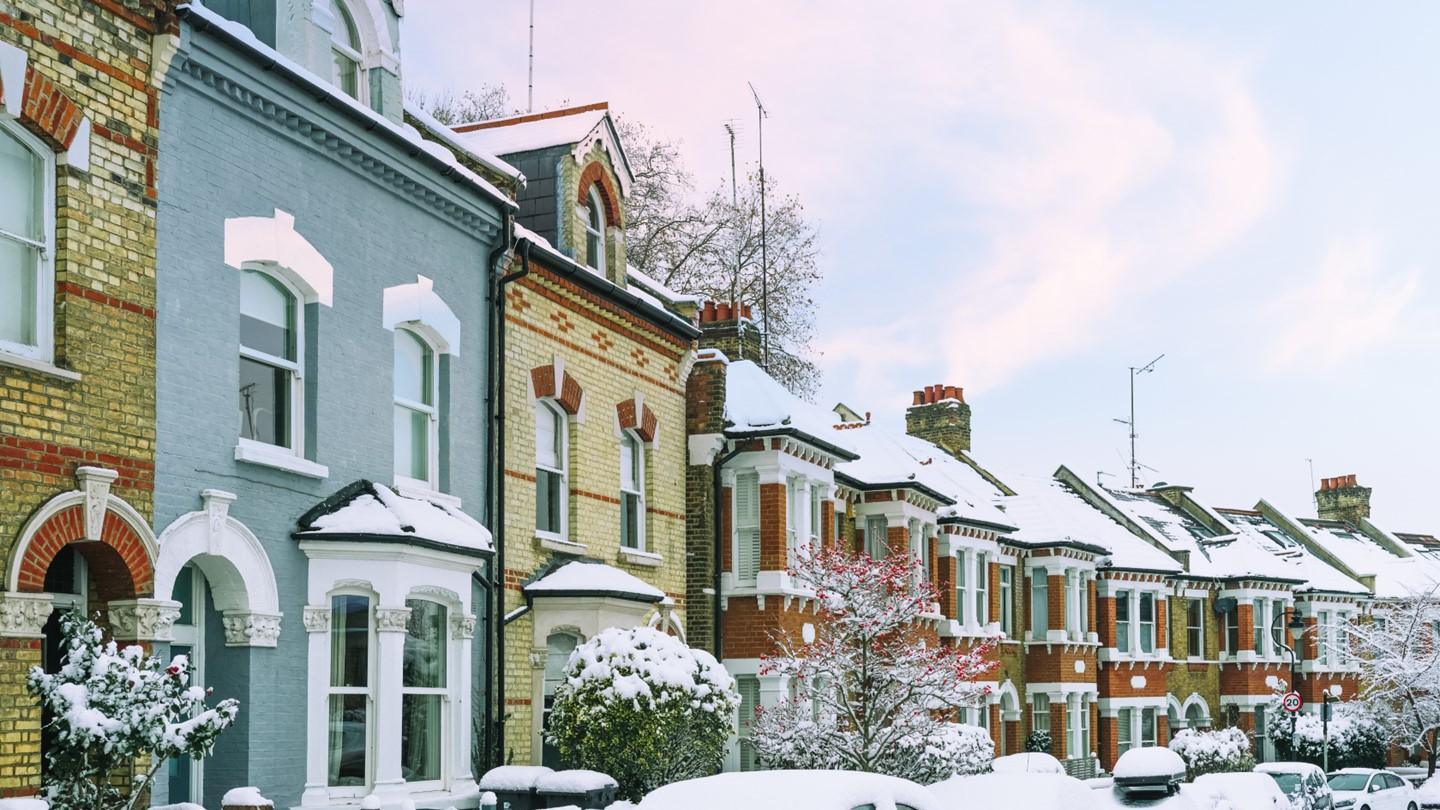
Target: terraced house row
column 370, row 417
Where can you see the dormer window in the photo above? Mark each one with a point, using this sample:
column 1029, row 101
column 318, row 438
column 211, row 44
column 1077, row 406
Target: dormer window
column 345, row 48
column 595, row 233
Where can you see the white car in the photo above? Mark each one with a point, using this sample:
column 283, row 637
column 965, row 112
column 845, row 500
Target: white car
column 1151, row 778
column 1243, row 791
column 1428, row 794
column 1303, row 782
column 1013, row 791
column 1033, row 762
column 792, row 790
column 1370, row 789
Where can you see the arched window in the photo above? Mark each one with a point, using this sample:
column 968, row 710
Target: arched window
column 270, row 361
column 423, row 693
column 595, row 232
column 351, row 665
column 417, row 423
column 1195, row 716
column 632, row 491
column 558, row 647
column 551, row 468
column 26, row 242
column 345, row 48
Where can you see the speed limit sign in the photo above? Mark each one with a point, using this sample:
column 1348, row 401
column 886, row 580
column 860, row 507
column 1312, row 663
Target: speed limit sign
column 1291, row 702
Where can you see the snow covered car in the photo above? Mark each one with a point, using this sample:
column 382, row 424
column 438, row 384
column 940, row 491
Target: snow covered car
column 1304, row 784
column 1428, row 794
column 1371, row 789
column 792, row 790
column 1242, row 791
column 1013, row 790
column 1034, row 762
column 1151, row 778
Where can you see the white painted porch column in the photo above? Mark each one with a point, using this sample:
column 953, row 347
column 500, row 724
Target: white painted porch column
column 389, row 677
column 317, row 766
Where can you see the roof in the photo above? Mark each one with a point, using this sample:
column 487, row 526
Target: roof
column 577, row 578
column 892, row 459
column 364, row 510
column 1395, row 575
column 242, row 36
column 1049, row 512
column 757, row 405
column 1291, row 558
column 576, row 127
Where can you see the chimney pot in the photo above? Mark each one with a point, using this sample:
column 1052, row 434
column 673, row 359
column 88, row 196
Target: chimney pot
column 919, row 399
column 708, row 313
column 745, row 311
column 960, row 393
column 1350, row 479
column 951, row 392
column 722, row 311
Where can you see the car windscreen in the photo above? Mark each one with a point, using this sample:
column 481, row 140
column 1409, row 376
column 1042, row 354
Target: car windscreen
column 1288, row 782
column 1349, row 781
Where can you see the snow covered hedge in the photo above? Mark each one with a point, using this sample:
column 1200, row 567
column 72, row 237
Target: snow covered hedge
column 1357, row 740
column 109, row 706
column 644, row 708
column 1221, row 750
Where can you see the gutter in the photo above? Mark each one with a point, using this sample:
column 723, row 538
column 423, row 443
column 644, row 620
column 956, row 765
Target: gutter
column 853, row 483
column 765, row 433
column 495, row 453
column 718, row 549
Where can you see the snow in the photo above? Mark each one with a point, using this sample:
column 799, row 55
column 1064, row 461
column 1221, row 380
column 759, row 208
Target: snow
column 1428, row 794
column 332, row 94
column 1152, row 761
column 1048, row 511
column 756, row 403
column 1186, row 799
column 1242, row 791
column 639, row 291
column 513, row 777
column 790, row 790
column 647, row 667
column 176, row 806
column 589, row 577
column 891, row 457
column 1036, row 762
column 1031, row 791
column 654, row 285
column 384, row 512
column 245, row 797
column 1395, row 576
column 508, row 136
column 573, row 781
column 1215, row 750
column 25, row 804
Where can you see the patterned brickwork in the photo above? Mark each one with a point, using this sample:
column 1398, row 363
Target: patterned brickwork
column 87, row 59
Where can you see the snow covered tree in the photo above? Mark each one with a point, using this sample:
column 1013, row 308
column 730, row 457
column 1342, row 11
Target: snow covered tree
column 1217, row 751
column 869, row 692
column 1398, row 650
column 107, row 707
column 644, row 708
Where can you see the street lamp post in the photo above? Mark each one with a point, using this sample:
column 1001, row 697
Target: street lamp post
column 1297, row 635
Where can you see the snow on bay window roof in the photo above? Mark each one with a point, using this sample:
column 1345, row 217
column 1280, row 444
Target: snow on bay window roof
column 369, row 511
column 579, row 578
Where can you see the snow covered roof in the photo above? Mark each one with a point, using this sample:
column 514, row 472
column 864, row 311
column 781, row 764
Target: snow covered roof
column 1398, row 571
column 322, row 89
column 578, row 578
column 1289, row 558
column 755, row 404
column 789, row 790
column 579, row 127
column 1047, row 512
column 889, row 458
column 369, row 511
column 656, row 288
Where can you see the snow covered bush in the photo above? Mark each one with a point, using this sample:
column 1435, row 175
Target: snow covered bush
column 1218, row 751
column 109, row 706
column 644, row 708
column 1357, row 738
column 869, row 693
column 1039, row 742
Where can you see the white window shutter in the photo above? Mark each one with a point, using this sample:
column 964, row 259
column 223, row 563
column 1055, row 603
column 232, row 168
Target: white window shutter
column 747, row 528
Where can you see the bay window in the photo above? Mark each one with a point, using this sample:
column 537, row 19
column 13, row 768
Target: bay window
column 350, row 695
column 746, row 510
column 817, row 495
column 1259, row 614
column 1231, row 619
column 552, row 491
column 27, row 247
column 632, row 491
column 876, row 544
column 417, row 418
column 793, row 489
column 270, row 361
column 423, row 694
column 1124, row 739
column 1277, row 626
column 1122, row 621
column 1147, row 622
column 1322, row 638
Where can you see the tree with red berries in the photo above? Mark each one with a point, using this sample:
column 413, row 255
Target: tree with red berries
column 871, row 693
column 109, row 706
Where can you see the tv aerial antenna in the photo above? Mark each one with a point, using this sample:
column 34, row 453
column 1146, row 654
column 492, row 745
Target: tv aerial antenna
column 1135, row 465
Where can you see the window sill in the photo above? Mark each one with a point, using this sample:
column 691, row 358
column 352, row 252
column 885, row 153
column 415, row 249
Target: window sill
column 419, row 490
column 635, row 556
column 558, row 544
column 38, row 366
column 278, row 458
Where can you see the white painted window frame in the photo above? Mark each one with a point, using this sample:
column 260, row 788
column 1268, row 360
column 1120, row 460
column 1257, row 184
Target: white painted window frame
column 362, row 74
column 432, row 414
column 44, row 349
column 295, row 368
column 547, row 408
column 630, row 439
column 371, row 703
column 595, row 206
column 447, row 699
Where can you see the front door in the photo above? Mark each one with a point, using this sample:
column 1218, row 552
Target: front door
column 185, row 775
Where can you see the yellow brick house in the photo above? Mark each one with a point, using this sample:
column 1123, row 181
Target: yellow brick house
column 595, row 357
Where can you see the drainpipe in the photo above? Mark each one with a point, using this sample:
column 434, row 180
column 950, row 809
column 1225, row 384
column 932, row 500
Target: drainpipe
column 719, row 547
column 497, row 466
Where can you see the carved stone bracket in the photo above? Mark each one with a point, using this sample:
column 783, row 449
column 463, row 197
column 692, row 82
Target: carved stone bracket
column 391, row 620
column 537, row 657
column 95, row 483
column 317, row 618
column 144, row 619
column 462, row 626
column 246, row 628
column 23, row 615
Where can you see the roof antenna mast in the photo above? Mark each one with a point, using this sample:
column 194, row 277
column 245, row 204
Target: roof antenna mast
column 1130, row 423
column 760, row 115
column 530, row 88
column 734, row 206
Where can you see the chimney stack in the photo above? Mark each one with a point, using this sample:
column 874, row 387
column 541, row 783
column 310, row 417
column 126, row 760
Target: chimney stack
column 727, row 327
column 1342, row 498
column 938, row 413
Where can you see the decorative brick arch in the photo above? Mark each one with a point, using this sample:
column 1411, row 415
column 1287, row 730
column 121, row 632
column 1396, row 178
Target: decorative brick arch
column 644, row 423
column 595, row 174
column 569, row 393
column 43, row 108
column 121, row 552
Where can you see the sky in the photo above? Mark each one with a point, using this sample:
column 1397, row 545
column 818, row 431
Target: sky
column 1026, row 200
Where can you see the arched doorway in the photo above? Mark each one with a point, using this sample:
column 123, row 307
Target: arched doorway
column 184, row 776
